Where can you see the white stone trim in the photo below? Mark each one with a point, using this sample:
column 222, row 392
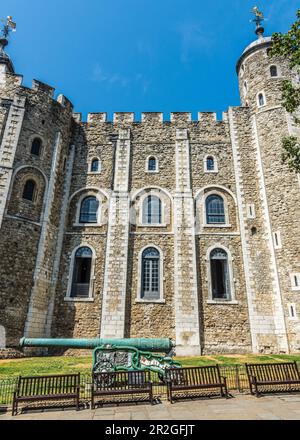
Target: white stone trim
column 71, row 271
column 139, row 192
column 90, row 188
column 222, row 302
column 202, row 190
column 161, row 276
column 243, row 229
column 232, row 299
column 60, row 238
column 8, row 148
column 278, row 318
column 40, row 272
column 216, row 169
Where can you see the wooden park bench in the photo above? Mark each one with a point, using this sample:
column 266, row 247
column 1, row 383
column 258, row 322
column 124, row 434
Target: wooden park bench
column 133, row 386
column 277, row 377
column 206, row 381
column 43, row 388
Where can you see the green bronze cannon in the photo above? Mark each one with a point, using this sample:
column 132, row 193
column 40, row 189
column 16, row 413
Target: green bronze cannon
column 119, row 354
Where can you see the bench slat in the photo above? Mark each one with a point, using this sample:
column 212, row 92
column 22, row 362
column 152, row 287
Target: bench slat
column 281, row 373
column 201, row 378
column 51, row 387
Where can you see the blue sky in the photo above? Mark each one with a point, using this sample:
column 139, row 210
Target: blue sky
column 139, row 55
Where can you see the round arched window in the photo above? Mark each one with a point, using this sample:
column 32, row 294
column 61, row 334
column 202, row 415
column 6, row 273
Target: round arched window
column 89, row 210
column 215, row 213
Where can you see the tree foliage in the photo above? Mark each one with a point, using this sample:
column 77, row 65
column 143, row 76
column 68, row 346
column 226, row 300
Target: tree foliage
column 288, row 46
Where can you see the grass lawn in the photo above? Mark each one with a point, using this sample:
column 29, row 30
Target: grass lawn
column 68, row 364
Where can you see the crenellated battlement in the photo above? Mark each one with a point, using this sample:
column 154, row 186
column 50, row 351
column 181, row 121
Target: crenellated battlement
column 10, row 82
column 151, row 118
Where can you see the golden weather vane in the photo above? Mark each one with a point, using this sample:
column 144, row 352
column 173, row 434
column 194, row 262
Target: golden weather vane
column 6, row 27
column 9, row 26
column 258, row 20
column 259, row 16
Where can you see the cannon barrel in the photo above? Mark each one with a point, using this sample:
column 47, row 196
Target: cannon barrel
column 161, row 345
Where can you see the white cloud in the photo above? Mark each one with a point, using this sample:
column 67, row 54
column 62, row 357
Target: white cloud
column 193, row 37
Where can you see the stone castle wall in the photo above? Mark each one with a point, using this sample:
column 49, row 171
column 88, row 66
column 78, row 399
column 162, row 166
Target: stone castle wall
column 261, row 199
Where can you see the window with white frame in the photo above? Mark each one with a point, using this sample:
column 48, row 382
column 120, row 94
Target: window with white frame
column 95, row 165
column 261, row 99
column 152, row 164
column 89, row 210
column 295, row 280
column 152, row 210
column 215, row 211
column 82, row 271
column 150, row 282
column 220, row 275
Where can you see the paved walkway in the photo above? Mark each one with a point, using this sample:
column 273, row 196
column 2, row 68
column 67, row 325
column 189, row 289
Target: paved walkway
column 240, row 407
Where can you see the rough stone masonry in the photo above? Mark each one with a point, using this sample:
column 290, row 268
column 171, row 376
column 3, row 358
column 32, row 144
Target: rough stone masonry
column 182, row 229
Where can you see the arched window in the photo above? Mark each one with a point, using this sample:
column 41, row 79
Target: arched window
column 95, row 166
column 82, row 273
column 29, row 190
column 220, row 277
column 150, row 274
column 89, row 210
column 261, row 99
column 36, row 147
column 210, row 163
column 273, row 71
column 152, row 164
column 215, row 213
column 152, row 210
